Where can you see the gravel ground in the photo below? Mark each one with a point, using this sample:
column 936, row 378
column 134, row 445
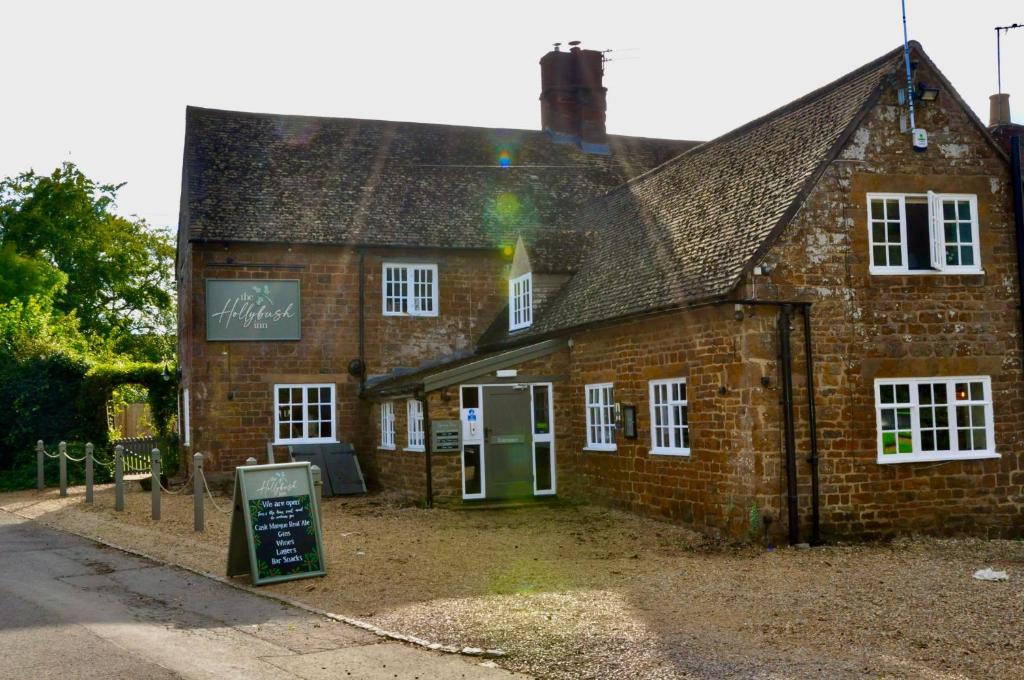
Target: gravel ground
column 585, row 592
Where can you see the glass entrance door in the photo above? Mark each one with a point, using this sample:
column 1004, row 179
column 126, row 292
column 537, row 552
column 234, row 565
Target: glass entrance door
column 508, row 446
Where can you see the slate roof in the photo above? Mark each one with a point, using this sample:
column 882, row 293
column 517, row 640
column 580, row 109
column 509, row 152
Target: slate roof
column 297, row 179
column 686, row 231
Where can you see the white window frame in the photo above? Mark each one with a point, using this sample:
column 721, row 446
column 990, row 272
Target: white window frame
column 672, row 424
column 387, row 425
column 520, row 302
column 415, row 437
column 183, row 422
column 918, row 456
column 937, row 234
column 305, row 438
column 411, row 298
column 543, row 438
column 605, row 412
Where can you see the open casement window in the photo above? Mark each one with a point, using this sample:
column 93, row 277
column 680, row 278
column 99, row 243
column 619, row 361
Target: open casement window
column 387, row 425
column 600, row 417
column 520, row 301
column 415, row 440
column 923, row 233
column 409, row 289
column 928, row 419
column 304, row 414
column 670, row 428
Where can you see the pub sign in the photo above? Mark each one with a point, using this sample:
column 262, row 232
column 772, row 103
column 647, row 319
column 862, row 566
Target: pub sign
column 253, row 309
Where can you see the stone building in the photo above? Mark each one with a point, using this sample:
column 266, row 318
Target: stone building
column 803, row 320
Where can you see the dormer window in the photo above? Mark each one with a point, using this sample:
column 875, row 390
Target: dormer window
column 520, row 301
column 924, row 233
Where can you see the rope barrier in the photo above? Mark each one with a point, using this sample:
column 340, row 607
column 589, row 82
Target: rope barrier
column 184, row 485
column 74, row 460
column 51, row 455
column 210, row 494
column 108, row 464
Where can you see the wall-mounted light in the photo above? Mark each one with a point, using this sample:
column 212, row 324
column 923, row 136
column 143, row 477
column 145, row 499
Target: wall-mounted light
column 625, row 419
column 926, row 92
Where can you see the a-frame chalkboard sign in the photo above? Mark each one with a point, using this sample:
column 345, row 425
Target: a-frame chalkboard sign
column 275, row 524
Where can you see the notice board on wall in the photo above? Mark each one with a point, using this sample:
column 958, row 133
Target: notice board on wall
column 253, row 309
column 275, row 524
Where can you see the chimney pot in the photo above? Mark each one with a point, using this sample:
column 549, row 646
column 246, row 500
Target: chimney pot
column 999, row 110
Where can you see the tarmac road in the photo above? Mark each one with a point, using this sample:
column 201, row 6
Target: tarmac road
column 70, row 608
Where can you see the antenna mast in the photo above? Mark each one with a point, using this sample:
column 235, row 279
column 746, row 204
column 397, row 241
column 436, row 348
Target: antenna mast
column 999, row 58
column 906, row 58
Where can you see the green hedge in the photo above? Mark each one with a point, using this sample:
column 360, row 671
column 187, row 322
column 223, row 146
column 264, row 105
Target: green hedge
column 99, row 383
column 38, row 396
column 60, row 397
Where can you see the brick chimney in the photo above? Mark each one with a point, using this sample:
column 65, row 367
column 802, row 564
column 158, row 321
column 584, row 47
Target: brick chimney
column 572, row 98
column 999, row 123
column 999, row 110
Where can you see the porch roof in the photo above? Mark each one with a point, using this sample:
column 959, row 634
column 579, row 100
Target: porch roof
column 457, row 370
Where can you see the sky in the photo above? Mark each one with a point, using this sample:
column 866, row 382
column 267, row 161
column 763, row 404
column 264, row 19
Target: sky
column 105, row 84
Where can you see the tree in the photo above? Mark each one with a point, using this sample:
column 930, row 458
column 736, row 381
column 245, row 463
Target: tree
column 119, row 271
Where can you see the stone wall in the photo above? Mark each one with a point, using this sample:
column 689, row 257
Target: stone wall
column 723, row 361
column 874, row 326
column 231, row 383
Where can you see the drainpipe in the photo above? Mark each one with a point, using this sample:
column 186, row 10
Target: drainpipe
column 362, row 319
column 421, row 395
column 786, row 361
column 1018, row 213
column 812, row 423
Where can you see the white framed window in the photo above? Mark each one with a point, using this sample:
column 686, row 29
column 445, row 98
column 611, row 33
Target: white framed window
column 409, row 289
column 304, row 414
column 520, row 301
column 670, row 425
column 926, row 419
column 414, row 425
column 387, row 425
column 600, row 417
column 184, row 431
column 923, row 233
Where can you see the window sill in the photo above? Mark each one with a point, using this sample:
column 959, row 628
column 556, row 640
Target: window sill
column 925, row 272
column 892, row 458
column 678, row 453
column 414, row 316
column 290, row 442
column 415, row 449
column 601, row 449
column 386, row 448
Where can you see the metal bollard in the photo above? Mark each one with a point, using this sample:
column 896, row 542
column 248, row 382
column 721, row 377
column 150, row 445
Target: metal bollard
column 154, row 469
column 88, row 472
column 198, row 484
column 62, row 448
column 40, row 456
column 251, row 461
column 119, row 478
column 318, row 487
